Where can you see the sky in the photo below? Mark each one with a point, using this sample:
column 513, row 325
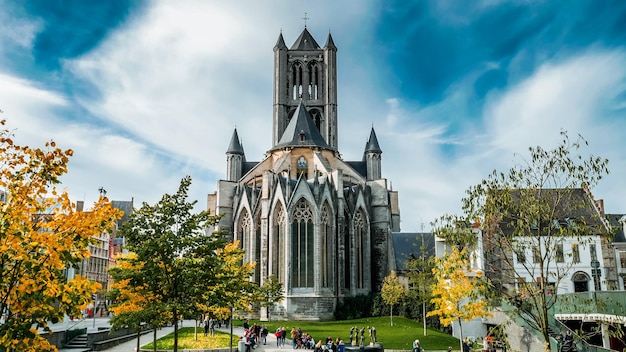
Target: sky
column 147, row 92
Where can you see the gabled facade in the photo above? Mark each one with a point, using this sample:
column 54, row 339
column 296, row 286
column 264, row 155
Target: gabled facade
column 581, row 263
column 320, row 224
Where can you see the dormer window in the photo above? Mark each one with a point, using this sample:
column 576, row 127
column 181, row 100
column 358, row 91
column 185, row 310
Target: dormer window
column 302, row 135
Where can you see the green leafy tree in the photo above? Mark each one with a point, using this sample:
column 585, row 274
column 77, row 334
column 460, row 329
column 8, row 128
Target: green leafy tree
column 392, row 291
column 527, row 214
column 458, row 292
column 420, row 281
column 176, row 261
column 42, row 235
column 271, row 292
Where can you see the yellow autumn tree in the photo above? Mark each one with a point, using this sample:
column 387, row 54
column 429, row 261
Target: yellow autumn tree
column 457, row 291
column 41, row 235
column 392, row 291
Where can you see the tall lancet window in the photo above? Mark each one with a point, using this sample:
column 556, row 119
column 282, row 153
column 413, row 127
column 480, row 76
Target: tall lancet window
column 278, row 239
column 257, row 248
column 317, row 119
column 302, row 245
column 313, row 76
column 245, row 227
column 360, row 231
column 296, row 79
column 327, row 246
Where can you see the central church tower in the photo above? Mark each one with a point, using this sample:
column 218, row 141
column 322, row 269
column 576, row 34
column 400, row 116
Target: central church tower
column 306, row 73
column 317, row 223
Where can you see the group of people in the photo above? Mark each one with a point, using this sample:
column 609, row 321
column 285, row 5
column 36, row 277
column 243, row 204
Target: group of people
column 254, row 335
column 565, row 343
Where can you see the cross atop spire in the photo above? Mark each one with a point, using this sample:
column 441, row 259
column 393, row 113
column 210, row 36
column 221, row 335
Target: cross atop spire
column 305, row 18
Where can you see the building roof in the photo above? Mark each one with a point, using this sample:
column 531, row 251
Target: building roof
column 301, row 131
column 280, row 43
column 305, row 42
column 408, row 245
column 124, row 205
column 614, row 220
column 330, row 44
column 235, row 145
column 372, row 143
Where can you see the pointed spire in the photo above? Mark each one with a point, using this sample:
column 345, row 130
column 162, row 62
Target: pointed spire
column 280, row 43
column 330, row 44
column 372, row 143
column 305, row 42
column 235, row 144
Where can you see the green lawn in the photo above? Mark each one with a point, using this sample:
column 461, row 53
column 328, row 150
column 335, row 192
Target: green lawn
column 400, row 336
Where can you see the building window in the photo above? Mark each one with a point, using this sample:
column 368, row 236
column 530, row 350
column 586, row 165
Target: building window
column 622, row 259
column 575, row 253
column 302, row 166
column 592, row 252
column 327, row 247
column 360, row 231
column 536, row 254
column 560, row 258
column 278, row 250
column 521, row 256
column 302, row 246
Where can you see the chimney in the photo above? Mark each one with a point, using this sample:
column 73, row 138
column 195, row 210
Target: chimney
column 79, row 205
column 600, row 206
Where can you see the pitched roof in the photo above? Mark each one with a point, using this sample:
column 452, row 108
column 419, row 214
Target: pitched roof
column 301, row 131
column 372, row 143
column 408, row 245
column 614, row 220
column 330, row 44
column 305, row 42
column 235, row 145
column 280, row 43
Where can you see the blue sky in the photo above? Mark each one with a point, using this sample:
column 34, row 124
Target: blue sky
column 147, row 92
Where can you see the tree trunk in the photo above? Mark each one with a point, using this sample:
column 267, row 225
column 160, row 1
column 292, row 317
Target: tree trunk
column 391, row 315
column 175, row 317
column 424, row 317
column 154, row 329
column 460, row 335
column 138, row 336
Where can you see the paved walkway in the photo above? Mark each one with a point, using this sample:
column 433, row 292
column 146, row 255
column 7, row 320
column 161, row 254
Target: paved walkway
column 270, row 346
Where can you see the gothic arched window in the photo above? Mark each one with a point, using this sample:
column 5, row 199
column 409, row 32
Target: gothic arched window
column 327, row 246
column 360, row 231
column 296, row 79
column 302, row 245
column 313, row 76
column 278, row 238
column 244, row 228
column 316, row 115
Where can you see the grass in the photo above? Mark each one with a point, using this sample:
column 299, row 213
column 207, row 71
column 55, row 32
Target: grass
column 186, row 340
column 400, row 336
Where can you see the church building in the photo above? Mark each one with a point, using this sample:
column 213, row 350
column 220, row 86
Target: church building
column 320, row 224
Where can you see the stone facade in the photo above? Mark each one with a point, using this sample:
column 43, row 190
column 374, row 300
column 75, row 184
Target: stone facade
column 320, row 224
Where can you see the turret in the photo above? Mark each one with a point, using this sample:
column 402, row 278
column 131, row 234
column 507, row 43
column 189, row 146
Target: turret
column 235, row 158
column 371, row 156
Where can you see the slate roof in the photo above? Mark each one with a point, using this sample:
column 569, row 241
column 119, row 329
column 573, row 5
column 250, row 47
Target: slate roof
column 330, row 44
column 614, row 220
column 124, row 205
column 305, row 42
column 372, row 143
column 301, row 132
column 280, row 43
column 407, row 245
column 235, row 145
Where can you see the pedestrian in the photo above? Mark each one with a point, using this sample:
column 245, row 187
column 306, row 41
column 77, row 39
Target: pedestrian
column 212, row 327
column 206, row 324
column 264, row 333
column 417, row 347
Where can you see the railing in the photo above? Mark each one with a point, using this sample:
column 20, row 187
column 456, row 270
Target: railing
column 71, row 334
